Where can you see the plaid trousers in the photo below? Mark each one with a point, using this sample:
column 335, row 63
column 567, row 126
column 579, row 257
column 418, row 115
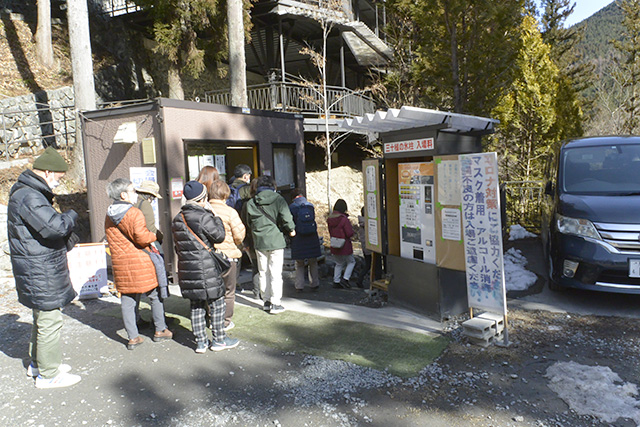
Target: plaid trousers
column 199, row 321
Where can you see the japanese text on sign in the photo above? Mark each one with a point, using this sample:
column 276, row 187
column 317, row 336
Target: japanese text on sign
column 406, row 146
column 88, row 270
column 482, row 229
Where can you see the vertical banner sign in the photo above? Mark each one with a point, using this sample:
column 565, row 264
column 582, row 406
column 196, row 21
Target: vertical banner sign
column 482, row 232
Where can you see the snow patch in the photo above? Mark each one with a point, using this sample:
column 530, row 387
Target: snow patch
column 517, row 232
column 516, row 277
column 594, row 390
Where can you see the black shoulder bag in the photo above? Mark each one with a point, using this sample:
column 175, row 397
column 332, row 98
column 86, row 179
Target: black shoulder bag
column 222, row 262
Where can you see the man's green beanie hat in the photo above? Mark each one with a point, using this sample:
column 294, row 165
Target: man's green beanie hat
column 50, row 160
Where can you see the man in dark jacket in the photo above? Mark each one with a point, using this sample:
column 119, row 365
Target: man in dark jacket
column 239, row 188
column 267, row 215
column 195, row 230
column 38, row 238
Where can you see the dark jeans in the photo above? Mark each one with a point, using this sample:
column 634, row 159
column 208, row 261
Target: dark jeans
column 230, row 279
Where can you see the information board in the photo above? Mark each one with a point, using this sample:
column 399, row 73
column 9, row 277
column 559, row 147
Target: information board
column 372, row 202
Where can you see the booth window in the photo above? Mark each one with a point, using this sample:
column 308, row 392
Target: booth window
column 284, row 167
column 222, row 155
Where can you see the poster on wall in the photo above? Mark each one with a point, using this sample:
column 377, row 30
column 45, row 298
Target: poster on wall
column 221, row 164
column 176, row 188
column 206, row 160
column 88, row 270
column 416, row 212
column 448, row 182
column 451, row 224
column 137, row 175
column 482, row 228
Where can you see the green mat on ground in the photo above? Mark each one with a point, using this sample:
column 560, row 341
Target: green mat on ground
column 402, row 353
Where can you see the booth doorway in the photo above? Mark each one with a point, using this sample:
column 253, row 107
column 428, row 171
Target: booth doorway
column 223, row 155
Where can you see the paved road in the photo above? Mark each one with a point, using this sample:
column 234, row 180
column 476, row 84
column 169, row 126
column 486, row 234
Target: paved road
column 570, row 300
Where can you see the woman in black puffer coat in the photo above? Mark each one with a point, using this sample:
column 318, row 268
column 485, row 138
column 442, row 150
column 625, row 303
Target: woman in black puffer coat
column 200, row 281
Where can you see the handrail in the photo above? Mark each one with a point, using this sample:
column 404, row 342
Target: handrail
column 26, row 127
column 305, row 99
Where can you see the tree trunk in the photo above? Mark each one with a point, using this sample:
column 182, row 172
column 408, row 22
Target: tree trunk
column 44, row 48
column 325, row 107
column 237, row 62
column 83, row 84
column 175, row 82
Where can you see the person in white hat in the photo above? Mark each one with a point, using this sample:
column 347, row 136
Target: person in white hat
column 148, row 191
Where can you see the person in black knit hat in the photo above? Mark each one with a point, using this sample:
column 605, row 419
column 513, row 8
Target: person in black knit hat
column 195, row 230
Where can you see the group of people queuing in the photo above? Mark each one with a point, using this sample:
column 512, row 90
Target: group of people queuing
column 216, row 224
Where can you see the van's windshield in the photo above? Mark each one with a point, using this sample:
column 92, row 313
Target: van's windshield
column 601, row 170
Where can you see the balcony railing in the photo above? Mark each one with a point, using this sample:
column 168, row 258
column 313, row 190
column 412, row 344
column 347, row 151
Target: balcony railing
column 300, row 98
column 116, row 7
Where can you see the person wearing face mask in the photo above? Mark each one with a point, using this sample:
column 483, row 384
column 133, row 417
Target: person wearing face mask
column 133, row 271
column 39, row 237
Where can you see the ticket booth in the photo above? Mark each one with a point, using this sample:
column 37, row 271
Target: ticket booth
column 168, row 141
column 413, row 203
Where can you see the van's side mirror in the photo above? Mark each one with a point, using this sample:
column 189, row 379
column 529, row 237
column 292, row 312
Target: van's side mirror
column 548, row 189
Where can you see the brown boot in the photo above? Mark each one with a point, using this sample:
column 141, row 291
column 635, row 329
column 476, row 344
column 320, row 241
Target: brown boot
column 135, row 342
column 162, row 336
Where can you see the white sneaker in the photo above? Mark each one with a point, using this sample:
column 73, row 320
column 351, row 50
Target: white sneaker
column 63, row 379
column 230, row 326
column 34, row 372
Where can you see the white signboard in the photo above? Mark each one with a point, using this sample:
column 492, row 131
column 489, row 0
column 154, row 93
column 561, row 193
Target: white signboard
column 137, row 175
column 449, row 182
column 482, row 232
column 373, row 232
column 408, row 146
column 451, row 224
column 88, row 270
column 370, row 172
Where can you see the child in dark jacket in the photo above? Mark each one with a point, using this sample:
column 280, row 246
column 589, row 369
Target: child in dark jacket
column 340, row 227
column 195, row 231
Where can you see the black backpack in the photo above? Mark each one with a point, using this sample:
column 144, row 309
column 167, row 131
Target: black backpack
column 306, row 223
column 234, row 199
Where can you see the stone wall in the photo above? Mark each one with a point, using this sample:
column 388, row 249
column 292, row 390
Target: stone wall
column 28, row 123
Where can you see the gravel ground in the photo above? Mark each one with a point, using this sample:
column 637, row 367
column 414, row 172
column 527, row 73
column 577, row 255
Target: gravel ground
column 168, row 384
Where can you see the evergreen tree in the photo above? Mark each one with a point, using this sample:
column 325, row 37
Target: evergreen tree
column 629, row 66
column 527, row 110
column 462, row 51
column 573, row 75
column 184, row 31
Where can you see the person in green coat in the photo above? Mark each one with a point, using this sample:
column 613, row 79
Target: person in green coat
column 267, row 216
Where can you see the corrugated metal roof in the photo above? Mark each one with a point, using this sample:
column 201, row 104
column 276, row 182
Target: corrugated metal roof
column 413, row 117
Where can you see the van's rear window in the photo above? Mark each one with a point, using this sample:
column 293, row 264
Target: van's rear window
column 607, row 169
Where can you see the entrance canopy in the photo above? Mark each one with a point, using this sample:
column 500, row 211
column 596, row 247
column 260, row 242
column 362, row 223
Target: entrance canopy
column 413, row 117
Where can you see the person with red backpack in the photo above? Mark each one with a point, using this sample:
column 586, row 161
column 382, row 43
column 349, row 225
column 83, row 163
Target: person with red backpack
column 305, row 245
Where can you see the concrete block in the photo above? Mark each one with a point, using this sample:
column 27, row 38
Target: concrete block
column 478, row 328
column 498, row 320
column 481, row 342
